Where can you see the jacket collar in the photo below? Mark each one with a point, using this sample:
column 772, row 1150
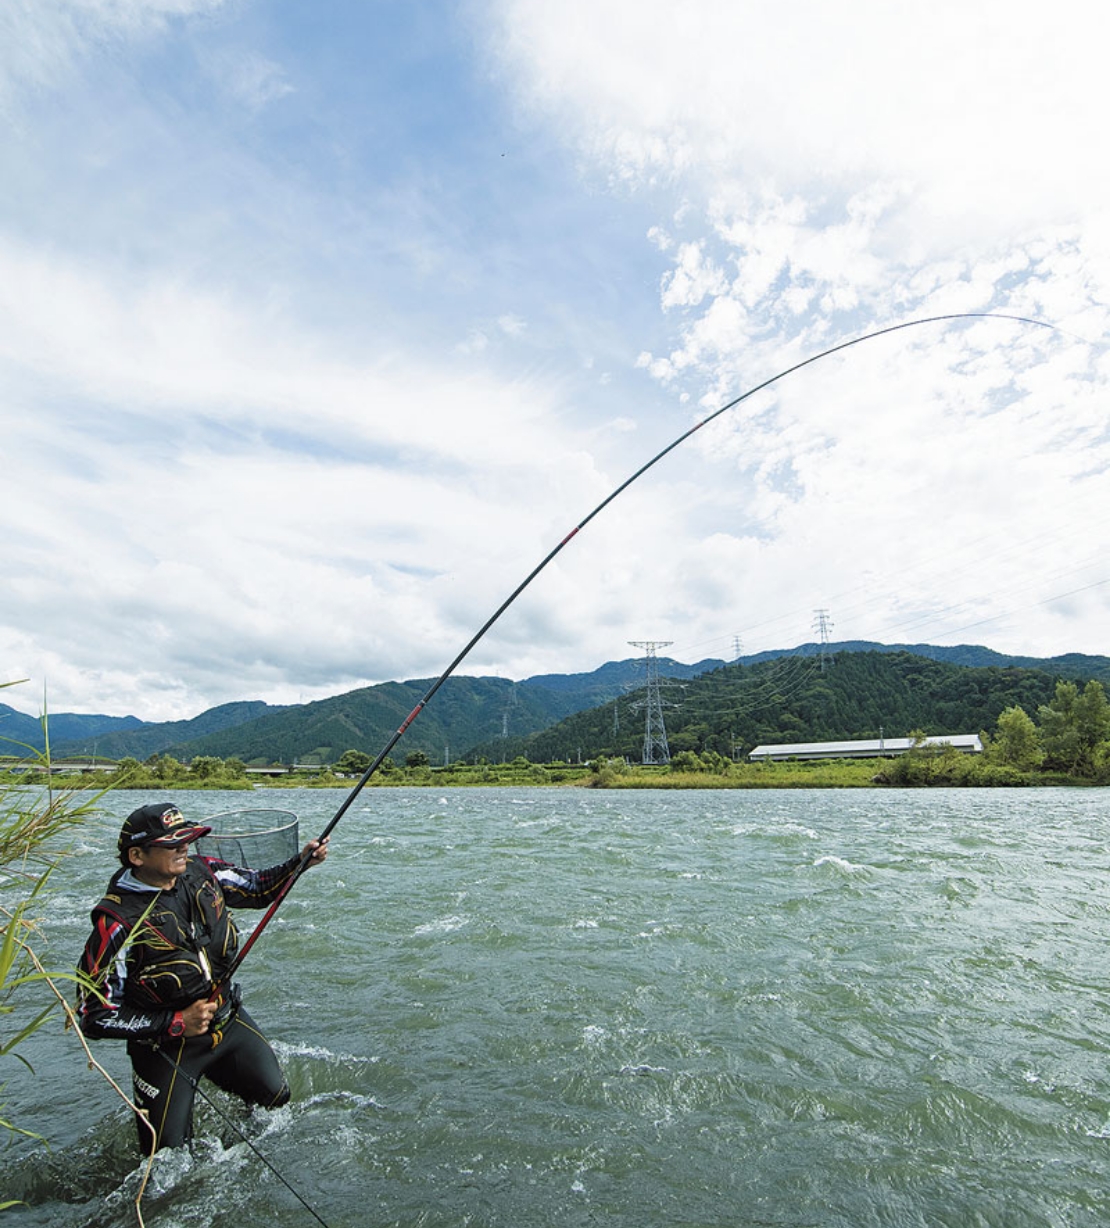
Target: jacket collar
column 129, row 882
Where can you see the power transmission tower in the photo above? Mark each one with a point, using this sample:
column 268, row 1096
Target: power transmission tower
column 822, row 624
column 510, row 704
column 655, row 733
column 737, row 645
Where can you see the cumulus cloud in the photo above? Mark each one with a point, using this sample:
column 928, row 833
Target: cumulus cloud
column 234, row 506
column 980, row 109
column 839, row 176
column 250, row 78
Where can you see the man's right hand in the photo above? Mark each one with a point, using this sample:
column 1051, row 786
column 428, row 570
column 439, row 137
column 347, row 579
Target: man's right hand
column 198, row 1016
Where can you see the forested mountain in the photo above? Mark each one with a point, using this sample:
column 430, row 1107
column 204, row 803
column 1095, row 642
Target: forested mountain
column 465, row 711
column 17, row 730
column 1071, row 665
column 797, row 699
column 142, row 740
column 780, row 696
column 614, row 678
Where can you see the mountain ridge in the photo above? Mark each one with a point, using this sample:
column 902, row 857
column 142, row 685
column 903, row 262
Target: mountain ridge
column 468, row 711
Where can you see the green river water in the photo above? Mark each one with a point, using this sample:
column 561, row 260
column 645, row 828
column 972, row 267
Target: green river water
column 581, row 1007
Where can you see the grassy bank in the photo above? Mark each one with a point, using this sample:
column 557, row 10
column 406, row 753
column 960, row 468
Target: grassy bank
column 950, row 771
column 822, row 774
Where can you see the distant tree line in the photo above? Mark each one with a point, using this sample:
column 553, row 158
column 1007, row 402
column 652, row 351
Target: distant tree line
column 164, row 771
column 1071, row 735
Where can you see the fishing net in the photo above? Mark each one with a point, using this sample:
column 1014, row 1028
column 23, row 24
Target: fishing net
column 251, row 839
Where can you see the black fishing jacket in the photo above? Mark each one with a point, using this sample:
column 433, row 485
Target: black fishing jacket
column 147, row 965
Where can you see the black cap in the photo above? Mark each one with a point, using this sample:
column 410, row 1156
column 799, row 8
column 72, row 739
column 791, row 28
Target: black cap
column 160, row 823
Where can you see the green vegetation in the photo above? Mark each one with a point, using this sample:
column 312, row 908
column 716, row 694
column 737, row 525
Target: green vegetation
column 34, row 822
column 709, row 706
column 209, row 772
column 1071, row 745
column 159, row 771
column 204, row 772
column 417, row 771
column 692, row 771
column 946, row 767
column 353, row 762
column 1075, row 728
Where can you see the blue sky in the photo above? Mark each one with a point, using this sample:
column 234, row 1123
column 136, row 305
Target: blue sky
column 320, row 325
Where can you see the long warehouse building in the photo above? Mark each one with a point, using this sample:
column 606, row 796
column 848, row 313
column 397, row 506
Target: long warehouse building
column 872, row 748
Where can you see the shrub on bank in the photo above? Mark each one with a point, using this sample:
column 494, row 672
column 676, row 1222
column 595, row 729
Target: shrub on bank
column 943, row 766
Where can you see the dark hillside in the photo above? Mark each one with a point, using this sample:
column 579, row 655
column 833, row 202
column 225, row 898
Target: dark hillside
column 1069, row 665
column 142, row 740
column 465, row 710
column 791, row 699
column 17, row 727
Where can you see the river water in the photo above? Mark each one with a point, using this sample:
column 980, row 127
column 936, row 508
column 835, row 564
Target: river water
column 559, row 1007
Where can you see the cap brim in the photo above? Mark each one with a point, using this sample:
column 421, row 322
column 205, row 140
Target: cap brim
column 183, row 835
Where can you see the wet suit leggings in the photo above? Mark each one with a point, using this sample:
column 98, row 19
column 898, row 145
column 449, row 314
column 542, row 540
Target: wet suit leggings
column 242, row 1062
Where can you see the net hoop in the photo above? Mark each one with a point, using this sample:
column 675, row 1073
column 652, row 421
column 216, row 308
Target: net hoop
column 251, row 839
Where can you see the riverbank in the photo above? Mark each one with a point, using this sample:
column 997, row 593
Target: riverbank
column 954, row 771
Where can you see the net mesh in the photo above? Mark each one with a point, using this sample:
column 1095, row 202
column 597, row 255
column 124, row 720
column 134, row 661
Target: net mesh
column 252, row 839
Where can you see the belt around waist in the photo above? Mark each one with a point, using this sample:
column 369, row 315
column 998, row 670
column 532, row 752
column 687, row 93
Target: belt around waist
column 228, row 1005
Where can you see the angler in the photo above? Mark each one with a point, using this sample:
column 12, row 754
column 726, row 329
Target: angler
column 161, row 955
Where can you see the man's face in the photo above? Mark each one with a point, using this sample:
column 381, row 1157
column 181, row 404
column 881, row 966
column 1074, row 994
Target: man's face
column 160, row 864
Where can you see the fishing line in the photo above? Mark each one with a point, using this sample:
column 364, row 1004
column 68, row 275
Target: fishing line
column 552, row 554
column 195, row 1085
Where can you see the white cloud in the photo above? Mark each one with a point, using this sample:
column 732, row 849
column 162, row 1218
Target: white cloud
column 476, row 341
column 194, row 533
column 692, row 279
column 174, row 352
column 841, row 171
column 511, row 326
column 984, row 110
column 250, row 78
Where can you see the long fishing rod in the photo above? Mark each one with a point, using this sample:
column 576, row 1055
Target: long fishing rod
column 552, row 554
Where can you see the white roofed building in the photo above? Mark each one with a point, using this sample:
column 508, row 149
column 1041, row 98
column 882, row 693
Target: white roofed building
column 871, row 748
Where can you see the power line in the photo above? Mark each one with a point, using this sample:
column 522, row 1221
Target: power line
column 779, row 685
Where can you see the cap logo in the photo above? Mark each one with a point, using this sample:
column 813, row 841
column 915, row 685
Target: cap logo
column 173, row 818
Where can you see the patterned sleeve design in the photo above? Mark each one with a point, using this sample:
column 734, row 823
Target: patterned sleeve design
column 251, row 888
column 103, row 1012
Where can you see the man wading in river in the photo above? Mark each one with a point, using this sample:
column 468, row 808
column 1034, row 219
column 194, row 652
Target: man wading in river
column 162, row 942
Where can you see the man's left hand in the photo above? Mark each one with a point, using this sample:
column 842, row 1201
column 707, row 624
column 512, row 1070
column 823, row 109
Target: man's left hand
column 318, row 849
